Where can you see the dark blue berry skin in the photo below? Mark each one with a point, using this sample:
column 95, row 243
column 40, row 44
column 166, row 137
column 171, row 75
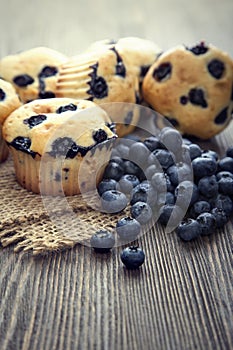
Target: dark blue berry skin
column 223, row 202
column 131, row 168
column 151, row 170
column 171, row 212
column 229, row 152
column 188, row 229
column 128, row 229
column 127, row 183
column 179, row 172
column 208, row 186
column 102, row 241
column 195, row 151
column 204, row 167
column 186, row 194
column 207, row 222
column 226, row 164
column 141, row 211
column 161, row 182
column 152, row 143
column 224, row 174
column 132, row 257
column 220, row 217
column 225, row 185
column 198, row 208
column 164, row 157
column 106, row 185
column 113, row 201
column 209, row 153
column 143, row 192
column 170, row 198
column 139, row 153
column 171, row 138
column 113, row 171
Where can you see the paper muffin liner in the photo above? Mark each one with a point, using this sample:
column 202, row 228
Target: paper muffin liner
column 4, row 151
column 48, row 175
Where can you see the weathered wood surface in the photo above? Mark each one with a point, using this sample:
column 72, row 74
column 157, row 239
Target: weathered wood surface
column 182, row 297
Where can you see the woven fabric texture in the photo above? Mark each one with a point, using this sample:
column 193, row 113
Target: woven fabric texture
column 29, row 223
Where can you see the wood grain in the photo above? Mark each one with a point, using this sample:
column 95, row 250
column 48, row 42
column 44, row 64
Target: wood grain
column 182, row 297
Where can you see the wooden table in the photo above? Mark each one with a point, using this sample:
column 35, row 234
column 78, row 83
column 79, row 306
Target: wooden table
column 181, row 298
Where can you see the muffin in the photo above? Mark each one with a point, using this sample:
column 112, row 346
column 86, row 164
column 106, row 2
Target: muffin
column 33, row 72
column 192, row 88
column 138, row 53
column 101, row 77
column 9, row 101
column 52, row 139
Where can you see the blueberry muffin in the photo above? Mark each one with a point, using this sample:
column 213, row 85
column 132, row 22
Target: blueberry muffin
column 137, row 53
column 52, row 139
column 9, row 101
column 101, row 77
column 33, row 72
column 192, row 87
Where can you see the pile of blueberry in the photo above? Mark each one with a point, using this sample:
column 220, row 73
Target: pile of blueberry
column 169, row 179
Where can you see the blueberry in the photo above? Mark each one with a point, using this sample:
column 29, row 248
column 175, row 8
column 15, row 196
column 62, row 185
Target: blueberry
column 131, row 168
column 199, row 207
column 170, row 198
column 151, row 170
column 225, row 185
column 35, row 120
column 2, row 95
column 224, row 202
column 113, row 201
column 199, row 49
column 163, row 71
column 210, row 153
column 23, row 80
column 102, row 241
column 226, row 164
column 98, row 85
column 106, row 185
column 195, row 151
column 48, row 71
column 197, row 97
column 143, row 192
column 141, row 211
column 179, row 172
column 164, row 157
column 222, row 116
column 152, row 143
column 23, row 144
column 123, row 150
column 127, row 182
column 229, row 152
column 188, row 229
column 207, row 222
column 208, row 186
column 171, row 213
column 171, row 138
column 220, row 217
column 128, row 229
column 139, row 153
column 100, row 135
column 113, row 171
column 132, row 257
column 216, row 68
column 161, row 182
column 118, row 160
column 224, row 174
column 204, row 166
column 69, row 107
column 186, row 194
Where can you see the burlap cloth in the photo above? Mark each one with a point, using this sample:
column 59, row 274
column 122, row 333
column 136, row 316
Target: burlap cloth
column 26, row 223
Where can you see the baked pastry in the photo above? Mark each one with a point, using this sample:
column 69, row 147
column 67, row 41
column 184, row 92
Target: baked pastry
column 138, row 53
column 192, row 87
column 33, row 72
column 101, row 77
column 49, row 140
column 9, row 101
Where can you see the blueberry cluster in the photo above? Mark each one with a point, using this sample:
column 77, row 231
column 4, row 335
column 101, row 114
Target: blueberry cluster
column 170, row 179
